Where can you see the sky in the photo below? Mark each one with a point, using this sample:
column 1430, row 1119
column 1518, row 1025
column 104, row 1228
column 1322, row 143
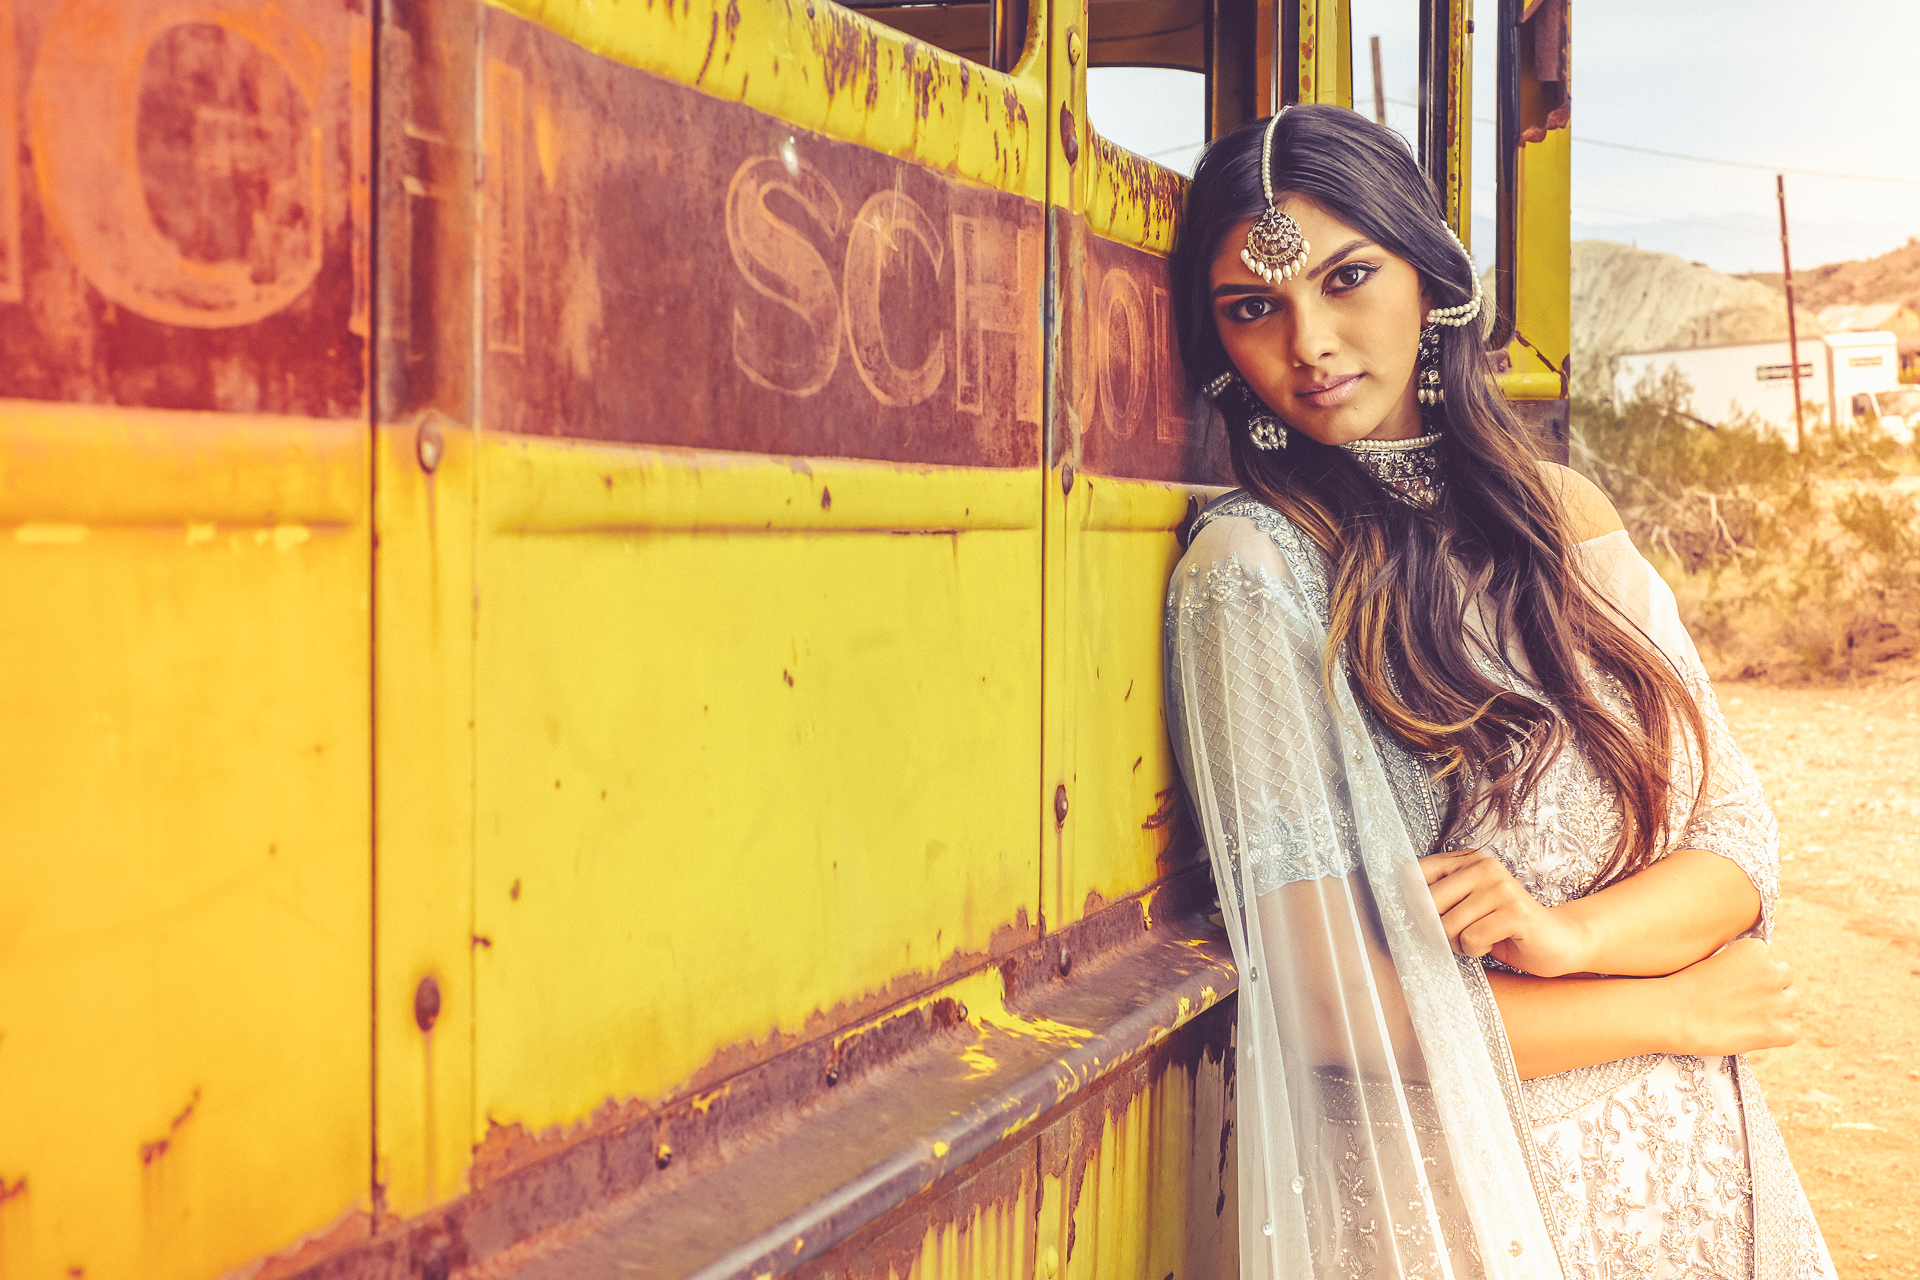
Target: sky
column 1832, row 88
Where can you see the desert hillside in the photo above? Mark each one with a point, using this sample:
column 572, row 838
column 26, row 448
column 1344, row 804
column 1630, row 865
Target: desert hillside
column 1626, row 299
column 1891, row 277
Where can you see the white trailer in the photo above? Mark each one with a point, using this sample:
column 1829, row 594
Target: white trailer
column 1861, row 364
column 1756, row 378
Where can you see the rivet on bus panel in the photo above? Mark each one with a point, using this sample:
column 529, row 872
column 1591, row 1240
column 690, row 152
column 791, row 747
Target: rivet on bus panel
column 426, row 1004
column 1060, row 804
column 1066, row 478
column 428, row 445
column 1073, row 47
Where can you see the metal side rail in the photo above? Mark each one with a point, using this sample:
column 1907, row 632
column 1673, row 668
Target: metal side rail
column 961, row 1113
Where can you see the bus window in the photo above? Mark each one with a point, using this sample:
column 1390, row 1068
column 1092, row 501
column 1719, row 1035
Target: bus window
column 1156, row 112
column 994, row 34
column 1147, row 33
column 1386, row 64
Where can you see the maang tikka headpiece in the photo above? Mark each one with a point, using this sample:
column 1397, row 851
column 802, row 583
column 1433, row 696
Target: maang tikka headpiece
column 1276, row 248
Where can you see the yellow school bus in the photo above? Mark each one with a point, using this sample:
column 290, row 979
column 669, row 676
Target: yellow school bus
column 582, row 674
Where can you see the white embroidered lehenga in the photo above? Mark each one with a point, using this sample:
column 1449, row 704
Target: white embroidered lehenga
column 1382, row 1128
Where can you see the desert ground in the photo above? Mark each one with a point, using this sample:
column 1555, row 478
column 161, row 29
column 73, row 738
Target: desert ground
column 1841, row 764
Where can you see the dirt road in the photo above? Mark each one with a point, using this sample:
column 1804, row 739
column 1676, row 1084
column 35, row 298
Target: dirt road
column 1842, row 766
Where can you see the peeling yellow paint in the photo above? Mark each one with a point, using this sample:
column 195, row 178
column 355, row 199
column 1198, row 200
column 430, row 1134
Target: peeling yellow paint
column 979, row 1062
column 244, row 857
column 984, row 995
column 873, row 85
column 817, row 703
column 50, row 535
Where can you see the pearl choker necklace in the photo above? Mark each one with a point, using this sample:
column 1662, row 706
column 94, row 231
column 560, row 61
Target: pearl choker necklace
column 1411, row 468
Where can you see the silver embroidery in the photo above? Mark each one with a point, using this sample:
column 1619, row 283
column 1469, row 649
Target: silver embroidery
column 1551, row 1098
column 1654, row 1168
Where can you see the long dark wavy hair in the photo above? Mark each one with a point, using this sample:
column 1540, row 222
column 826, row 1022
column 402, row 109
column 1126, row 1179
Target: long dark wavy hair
column 1398, row 607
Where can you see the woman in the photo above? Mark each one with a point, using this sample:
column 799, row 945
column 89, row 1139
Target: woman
column 1498, row 881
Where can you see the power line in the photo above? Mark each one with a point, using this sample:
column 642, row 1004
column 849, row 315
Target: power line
column 1736, row 164
column 1743, row 164
column 1653, row 151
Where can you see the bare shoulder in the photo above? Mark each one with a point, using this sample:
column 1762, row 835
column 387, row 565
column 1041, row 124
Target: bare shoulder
column 1590, row 512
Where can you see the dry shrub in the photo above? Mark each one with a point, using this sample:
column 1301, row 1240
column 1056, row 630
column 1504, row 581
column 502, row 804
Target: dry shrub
column 1794, row 566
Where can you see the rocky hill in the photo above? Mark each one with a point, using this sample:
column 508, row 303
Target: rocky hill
column 1891, row 277
column 1626, row 299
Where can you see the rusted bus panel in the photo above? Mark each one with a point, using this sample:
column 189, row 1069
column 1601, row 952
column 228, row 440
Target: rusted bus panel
column 1135, row 451
column 193, row 231
column 747, row 722
column 1129, row 198
column 694, row 272
column 422, row 685
column 1446, row 144
column 743, row 775
column 1325, row 46
column 1130, row 826
column 184, row 227
column 826, row 68
column 429, row 166
column 426, row 467
column 820, row 1154
column 982, row 1225
column 183, row 991
column 1063, row 25
column 1140, row 1181
column 1134, row 1181
column 1141, row 418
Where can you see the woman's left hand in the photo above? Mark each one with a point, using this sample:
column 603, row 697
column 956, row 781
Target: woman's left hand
column 1485, row 911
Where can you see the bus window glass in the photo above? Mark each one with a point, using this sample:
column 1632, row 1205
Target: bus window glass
column 1156, row 112
column 1393, row 27
column 1481, row 241
column 962, row 29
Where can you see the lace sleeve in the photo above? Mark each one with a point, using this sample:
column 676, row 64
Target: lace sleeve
column 1251, row 644
column 1732, row 817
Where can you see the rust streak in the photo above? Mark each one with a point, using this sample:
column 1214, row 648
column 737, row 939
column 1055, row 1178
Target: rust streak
column 848, row 50
column 151, row 1151
column 712, row 34
column 508, row 1148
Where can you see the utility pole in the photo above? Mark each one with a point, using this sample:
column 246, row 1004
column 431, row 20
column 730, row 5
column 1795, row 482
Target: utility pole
column 1793, row 335
column 1379, row 89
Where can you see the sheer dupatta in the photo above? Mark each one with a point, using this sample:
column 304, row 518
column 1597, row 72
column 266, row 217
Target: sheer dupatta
column 1377, row 1100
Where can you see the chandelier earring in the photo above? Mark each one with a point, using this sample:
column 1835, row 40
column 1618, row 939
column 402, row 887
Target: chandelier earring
column 1427, row 385
column 1426, row 364
column 1234, row 398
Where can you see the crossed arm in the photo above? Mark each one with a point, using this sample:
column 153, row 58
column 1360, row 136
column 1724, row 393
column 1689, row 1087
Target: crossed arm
column 1646, row 965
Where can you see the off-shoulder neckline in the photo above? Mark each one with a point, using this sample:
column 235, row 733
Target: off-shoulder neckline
column 1594, row 541
column 1243, row 493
